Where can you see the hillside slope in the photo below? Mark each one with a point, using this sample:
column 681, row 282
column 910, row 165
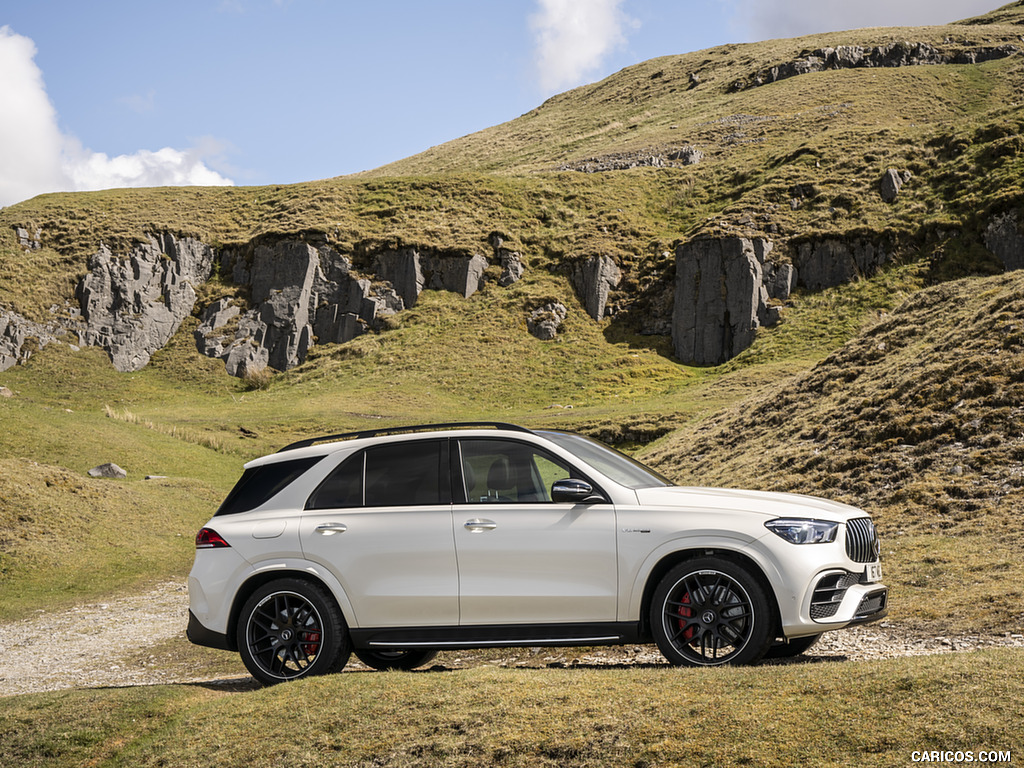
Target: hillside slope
column 782, row 148
column 919, row 419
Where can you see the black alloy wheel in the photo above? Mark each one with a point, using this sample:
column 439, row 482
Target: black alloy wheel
column 709, row 612
column 289, row 629
column 398, row 659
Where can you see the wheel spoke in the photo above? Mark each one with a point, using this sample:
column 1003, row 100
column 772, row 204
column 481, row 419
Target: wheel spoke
column 707, row 617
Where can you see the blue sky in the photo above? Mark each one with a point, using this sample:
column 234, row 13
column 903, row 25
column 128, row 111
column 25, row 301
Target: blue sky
column 252, row 92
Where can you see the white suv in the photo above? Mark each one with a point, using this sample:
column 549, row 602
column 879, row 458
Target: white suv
column 395, row 544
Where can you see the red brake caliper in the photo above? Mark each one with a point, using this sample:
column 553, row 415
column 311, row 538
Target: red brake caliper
column 310, row 643
column 691, row 631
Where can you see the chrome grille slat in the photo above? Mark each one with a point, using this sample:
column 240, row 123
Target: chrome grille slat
column 861, row 540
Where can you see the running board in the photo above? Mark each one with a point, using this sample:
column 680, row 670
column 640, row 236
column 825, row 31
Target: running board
column 497, row 636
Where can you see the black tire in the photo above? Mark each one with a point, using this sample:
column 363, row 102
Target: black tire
column 708, row 612
column 787, row 650
column 400, row 659
column 289, row 629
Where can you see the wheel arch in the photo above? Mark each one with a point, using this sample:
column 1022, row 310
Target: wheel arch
column 671, row 560
column 260, row 578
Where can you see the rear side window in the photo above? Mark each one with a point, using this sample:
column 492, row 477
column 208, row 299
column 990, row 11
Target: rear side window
column 342, row 488
column 399, row 475
column 259, row 484
column 405, row 474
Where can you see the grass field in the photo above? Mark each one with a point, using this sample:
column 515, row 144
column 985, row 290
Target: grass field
column 840, row 714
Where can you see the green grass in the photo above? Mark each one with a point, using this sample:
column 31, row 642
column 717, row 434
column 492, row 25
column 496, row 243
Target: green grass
column 877, row 714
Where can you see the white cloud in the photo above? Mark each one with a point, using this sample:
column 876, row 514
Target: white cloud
column 572, row 38
column 764, row 19
column 35, row 157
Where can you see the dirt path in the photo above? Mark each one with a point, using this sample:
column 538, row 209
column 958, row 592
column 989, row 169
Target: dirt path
column 99, row 644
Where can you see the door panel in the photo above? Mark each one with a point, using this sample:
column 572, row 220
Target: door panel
column 538, row 563
column 382, row 523
column 397, row 565
column 522, row 558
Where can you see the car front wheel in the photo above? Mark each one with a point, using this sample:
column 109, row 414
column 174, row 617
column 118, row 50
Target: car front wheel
column 400, row 659
column 709, row 612
column 289, row 629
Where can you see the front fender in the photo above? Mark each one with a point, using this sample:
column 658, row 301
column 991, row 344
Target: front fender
column 695, row 545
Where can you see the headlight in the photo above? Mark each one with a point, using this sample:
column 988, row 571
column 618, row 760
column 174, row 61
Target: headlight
column 798, row 531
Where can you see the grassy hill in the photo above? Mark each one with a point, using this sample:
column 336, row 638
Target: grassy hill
column 901, row 392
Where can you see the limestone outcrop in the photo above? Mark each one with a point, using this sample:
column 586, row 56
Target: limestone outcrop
column 826, row 262
column 299, row 295
column 721, row 297
column 624, row 161
column 545, row 321
column 593, row 278
column 1004, row 237
column 133, row 306
column 902, row 54
column 20, row 337
column 411, row 271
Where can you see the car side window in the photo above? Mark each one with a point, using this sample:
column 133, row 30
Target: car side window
column 505, row 471
column 343, row 487
column 404, row 474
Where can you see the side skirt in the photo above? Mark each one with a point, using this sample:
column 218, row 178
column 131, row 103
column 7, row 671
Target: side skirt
column 498, row 636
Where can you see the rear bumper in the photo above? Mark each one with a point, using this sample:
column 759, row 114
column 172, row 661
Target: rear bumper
column 200, row 635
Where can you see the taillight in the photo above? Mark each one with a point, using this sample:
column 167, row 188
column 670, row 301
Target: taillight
column 208, row 538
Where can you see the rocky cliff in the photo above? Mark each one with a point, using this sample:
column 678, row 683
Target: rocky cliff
column 294, row 293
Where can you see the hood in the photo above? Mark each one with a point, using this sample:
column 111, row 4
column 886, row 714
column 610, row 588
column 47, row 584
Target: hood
column 764, row 503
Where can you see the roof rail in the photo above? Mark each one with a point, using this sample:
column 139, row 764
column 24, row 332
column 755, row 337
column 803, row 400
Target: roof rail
column 397, row 430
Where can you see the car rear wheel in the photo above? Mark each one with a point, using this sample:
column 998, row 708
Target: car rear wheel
column 709, row 612
column 290, row 629
column 400, row 659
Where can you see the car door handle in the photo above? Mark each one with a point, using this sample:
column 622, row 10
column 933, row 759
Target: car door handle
column 477, row 525
column 329, row 529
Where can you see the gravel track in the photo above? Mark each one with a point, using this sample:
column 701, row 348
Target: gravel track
column 98, row 645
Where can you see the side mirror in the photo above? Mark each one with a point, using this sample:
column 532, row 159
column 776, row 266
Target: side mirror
column 573, row 490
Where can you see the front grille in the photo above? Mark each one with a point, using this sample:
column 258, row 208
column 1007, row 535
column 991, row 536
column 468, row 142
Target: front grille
column 862, row 540
column 829, row 593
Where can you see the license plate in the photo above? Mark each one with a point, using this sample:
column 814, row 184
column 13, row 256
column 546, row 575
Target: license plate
column 873, row 573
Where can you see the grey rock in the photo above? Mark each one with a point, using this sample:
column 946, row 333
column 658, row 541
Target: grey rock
column 20, row 337
column 721, row 299
column 833, row 261
column 891, row 183
column 304, row 294
column 108, row 470
column 901, row 54
column 545, row 321
column 410, row 272
column 686, row 155
column 624, row 161
column 1005, row 239
column 512, row 267
column 593, row 278
column 133, row 306
column 31, row 243
column 5, row 392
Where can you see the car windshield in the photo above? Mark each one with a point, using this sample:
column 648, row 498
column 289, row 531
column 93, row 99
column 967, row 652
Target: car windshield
column 615, row 465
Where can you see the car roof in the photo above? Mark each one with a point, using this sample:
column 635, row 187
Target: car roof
column 326, row 444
